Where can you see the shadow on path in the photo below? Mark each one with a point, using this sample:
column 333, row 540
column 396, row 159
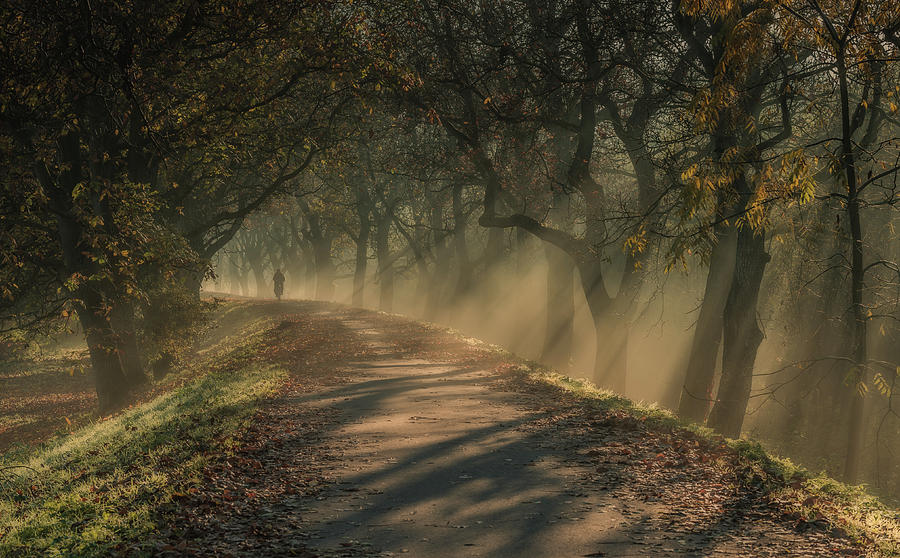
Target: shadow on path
column 392, row 455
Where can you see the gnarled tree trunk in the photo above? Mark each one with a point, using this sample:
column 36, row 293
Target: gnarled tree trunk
column 697, row 391
column 742, row 335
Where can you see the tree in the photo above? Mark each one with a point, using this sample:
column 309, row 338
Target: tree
column 859, row 39
column 103, row 105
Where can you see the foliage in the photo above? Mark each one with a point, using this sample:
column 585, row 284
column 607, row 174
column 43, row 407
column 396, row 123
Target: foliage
column 172, row 315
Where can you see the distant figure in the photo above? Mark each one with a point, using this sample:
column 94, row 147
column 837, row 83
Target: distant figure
column 279, row 283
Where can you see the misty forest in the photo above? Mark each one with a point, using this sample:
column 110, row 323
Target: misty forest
column 449, row 278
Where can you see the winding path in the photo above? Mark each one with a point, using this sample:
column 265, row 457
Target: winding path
column 395, row 455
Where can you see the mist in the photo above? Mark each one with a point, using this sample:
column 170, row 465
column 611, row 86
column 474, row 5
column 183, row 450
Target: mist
column 508, row 303
column 693, row 206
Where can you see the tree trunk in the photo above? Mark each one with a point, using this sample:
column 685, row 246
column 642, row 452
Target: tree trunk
column 859, row 372
column 441, row 260
column 742, row 335
column 244, row 281
column 295, row 274
column 417, row 250
column 362, row 260
column 193, row 282
column 859, row 326
column 559, row 335
column 464, row 263
column 697, row 391
column 385, row 265
column 309, row 272
column 109, row 378
column 233, row 285
column 122, row 321
column 324, row 269
column 298, row 263
column 521, row 252
column 610, row 360
column 259, row 274
column 492, row 260
column 423, row 282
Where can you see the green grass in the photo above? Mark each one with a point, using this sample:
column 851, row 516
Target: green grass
column 101, row 488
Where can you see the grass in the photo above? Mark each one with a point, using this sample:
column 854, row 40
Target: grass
column 93, row 492
column 800, row 493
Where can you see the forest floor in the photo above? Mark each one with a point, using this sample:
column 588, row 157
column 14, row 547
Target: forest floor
column 387, row 437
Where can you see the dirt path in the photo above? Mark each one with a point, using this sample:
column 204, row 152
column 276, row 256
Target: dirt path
column 434, row 463
column 391, row 455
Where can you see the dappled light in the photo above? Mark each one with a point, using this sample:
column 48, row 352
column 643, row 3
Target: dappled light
column 448, row 278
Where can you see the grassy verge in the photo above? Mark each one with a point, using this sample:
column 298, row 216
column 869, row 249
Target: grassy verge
column 808, row 497
column 95, row 491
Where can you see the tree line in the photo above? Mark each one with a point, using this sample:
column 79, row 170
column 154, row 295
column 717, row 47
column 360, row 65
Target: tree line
column 751, row 146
